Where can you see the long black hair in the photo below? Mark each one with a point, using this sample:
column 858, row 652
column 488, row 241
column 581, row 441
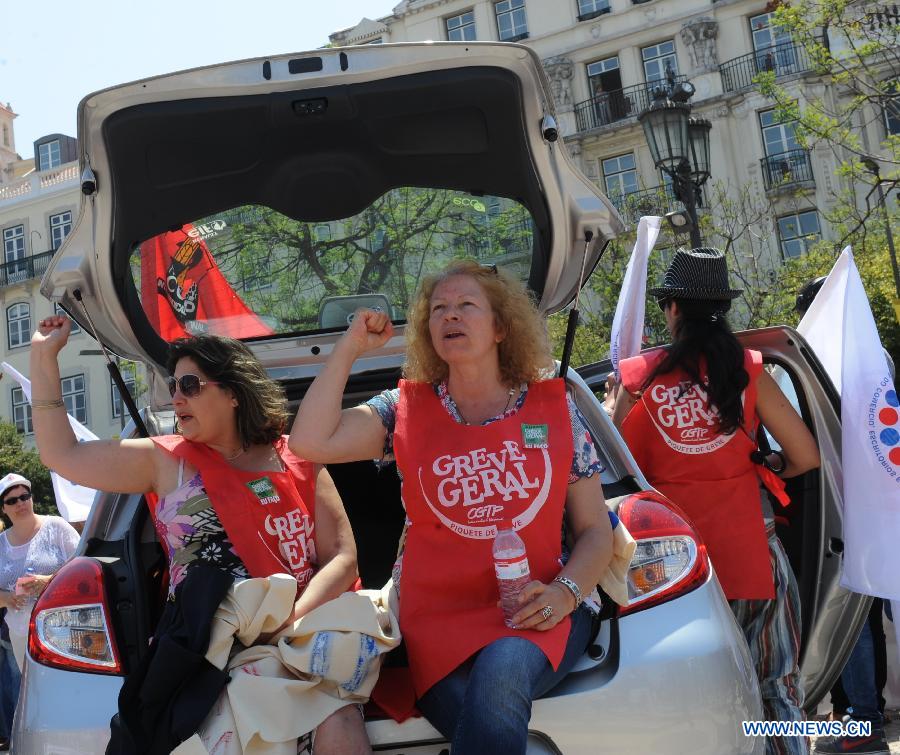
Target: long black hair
column 702, row 334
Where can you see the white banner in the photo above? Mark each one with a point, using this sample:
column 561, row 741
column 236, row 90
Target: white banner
column 841, row 330
column 628, row 322
column 73, row 501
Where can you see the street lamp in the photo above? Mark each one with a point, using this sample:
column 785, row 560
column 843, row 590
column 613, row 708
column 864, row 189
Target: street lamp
column 679, row 145
column 873, row 168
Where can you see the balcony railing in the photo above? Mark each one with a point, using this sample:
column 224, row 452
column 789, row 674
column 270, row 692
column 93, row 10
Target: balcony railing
column 657, row 200
column 18, row 271
column 787, row 170
column 38, row 181
column 782, row 60
column 617, row 105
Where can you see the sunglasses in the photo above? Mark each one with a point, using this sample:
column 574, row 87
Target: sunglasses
column 190, row 385
column 16, row 499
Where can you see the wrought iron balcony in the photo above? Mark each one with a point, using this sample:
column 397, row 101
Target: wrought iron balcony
column 656, row 200
column 617, row 105
column 787, row 170
column 19, row 271
column 782, row 60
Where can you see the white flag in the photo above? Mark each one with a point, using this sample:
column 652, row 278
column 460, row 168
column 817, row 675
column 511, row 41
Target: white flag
column 841, row 330
column 628, row 322
column 73, row 501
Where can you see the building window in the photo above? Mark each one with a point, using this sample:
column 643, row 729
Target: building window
column 778, row 137
column 511, row 24
column 765, row 34
column 892, row 109
column 588, row 9
column 49, row 155
column 21, row 412
column 5, row 135
column 74, row 398
column 76, row 328
column 604, row 76
column 659, row 60
column 14, row 253
column 60, row 227
column 18, row 324
column 118, row 406
column 798, row 232
column 461, row 28
column 323, row 232
column 619, row 175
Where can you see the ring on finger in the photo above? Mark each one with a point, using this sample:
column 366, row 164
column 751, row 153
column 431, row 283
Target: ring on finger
column 547, row 612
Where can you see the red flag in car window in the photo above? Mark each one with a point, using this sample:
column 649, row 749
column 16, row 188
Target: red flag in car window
column 183, row 291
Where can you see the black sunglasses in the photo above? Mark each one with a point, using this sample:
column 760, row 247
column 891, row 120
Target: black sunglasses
column 16, row 498
column 190, row 385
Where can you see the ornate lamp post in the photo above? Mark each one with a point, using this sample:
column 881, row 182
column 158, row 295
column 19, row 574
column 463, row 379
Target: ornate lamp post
column 679, row 145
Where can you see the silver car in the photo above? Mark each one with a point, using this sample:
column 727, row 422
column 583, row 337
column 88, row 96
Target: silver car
column 267, row 199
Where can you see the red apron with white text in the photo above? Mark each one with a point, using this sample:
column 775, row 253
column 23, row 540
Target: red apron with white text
column 268, row 516
column 459, row 482
column 672, row 433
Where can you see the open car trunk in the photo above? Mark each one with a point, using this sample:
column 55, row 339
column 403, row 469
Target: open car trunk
column 267, row 199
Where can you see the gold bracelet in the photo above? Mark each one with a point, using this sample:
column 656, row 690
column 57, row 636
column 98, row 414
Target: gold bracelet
column 47, row 404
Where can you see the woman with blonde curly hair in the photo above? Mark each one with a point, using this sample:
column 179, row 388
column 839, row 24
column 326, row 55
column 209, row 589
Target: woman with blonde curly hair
column 481, row 436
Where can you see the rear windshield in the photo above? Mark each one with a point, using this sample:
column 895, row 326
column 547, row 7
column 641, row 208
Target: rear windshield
column 253, row 272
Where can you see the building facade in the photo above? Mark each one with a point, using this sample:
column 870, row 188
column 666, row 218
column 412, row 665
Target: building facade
column 39, row 202
column 604, row 58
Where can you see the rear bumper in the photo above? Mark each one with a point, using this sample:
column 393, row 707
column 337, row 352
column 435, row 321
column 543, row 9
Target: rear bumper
column 679, row 683
column 64, row 712
column 677, row 679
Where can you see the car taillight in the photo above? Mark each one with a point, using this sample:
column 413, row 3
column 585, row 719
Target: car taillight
column 670, row 559
column 70, row 624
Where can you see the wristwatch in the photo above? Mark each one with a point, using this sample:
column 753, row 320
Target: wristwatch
column 572, row 587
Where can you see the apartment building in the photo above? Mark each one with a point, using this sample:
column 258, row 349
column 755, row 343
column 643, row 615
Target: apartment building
column 39, row 202
column 604, row 58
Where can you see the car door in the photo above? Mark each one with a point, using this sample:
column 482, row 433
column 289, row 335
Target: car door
column 811, row 526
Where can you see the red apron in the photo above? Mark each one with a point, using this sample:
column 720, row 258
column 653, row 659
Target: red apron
column 672, row 434
column 459, row 482
column 268, row 516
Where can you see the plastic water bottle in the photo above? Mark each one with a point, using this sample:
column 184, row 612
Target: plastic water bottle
column 22, row 581
column 511, row 565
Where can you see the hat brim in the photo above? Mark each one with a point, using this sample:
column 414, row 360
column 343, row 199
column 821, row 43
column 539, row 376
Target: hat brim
column 696, row 293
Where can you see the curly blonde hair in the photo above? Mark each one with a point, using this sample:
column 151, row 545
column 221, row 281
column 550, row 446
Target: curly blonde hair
column 524, row 352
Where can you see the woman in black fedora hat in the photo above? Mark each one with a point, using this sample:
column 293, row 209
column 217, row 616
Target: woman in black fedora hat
column 690, row 413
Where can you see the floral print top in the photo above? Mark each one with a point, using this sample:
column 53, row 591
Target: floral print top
column 191, row 531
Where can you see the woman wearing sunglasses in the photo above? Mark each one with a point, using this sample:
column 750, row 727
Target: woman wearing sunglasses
column 226, row 495
column 32, row 549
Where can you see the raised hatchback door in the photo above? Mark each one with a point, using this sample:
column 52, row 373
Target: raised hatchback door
column 267, row 199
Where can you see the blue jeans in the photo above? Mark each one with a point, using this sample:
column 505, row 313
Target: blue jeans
column 10, row 679
column 484, row 706
column 858, row 679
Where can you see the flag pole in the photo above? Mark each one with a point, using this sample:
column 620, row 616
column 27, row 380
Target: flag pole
column 114, row 372
column 572, row 324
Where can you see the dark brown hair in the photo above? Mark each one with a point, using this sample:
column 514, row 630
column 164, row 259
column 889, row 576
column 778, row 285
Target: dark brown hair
column 261, row 412
column 703, row 337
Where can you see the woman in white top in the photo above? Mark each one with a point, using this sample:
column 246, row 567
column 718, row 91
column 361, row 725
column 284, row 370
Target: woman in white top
column 32, row 549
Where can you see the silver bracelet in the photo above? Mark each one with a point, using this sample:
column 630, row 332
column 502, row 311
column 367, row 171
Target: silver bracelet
column 572, row 587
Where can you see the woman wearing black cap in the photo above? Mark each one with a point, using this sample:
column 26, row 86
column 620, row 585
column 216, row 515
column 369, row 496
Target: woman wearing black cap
column 690, row 413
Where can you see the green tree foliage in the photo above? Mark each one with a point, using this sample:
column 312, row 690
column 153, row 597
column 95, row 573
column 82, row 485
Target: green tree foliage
column 285, row 268
column 16, row 457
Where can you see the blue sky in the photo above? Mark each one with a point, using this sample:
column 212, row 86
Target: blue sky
column 54, row 52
